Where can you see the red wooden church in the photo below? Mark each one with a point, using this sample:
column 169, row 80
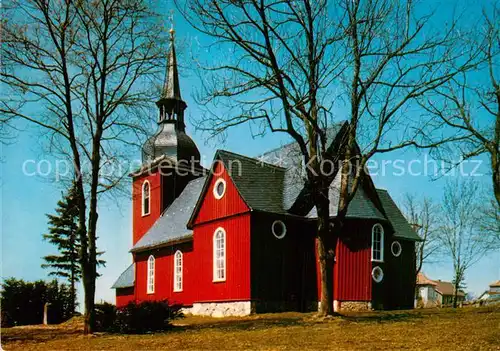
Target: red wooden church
column 241, row 238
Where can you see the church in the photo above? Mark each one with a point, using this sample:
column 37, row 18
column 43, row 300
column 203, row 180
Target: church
column 239, row 238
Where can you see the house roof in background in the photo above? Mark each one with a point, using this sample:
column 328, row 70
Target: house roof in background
column 446, row 288
column 495, row 284
column 171, row 226
column 126, row 279
column 423, row 280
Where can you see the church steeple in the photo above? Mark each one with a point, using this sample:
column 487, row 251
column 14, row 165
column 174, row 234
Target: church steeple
column 171, row 139
column 171, row 106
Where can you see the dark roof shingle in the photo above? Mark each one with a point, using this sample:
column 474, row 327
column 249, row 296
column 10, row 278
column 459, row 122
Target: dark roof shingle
column 260, row 184
column 402, row 229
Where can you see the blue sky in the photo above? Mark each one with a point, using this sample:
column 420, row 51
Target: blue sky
column 26, row 199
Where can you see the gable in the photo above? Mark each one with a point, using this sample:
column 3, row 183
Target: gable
column 210, row 208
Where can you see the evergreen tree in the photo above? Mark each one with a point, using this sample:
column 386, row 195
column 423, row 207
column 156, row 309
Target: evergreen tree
column 63, row 233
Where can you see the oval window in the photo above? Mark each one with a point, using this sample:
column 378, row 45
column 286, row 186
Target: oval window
column 219, row 188
column 279, row 229
column 377, row 274
column 396, row 248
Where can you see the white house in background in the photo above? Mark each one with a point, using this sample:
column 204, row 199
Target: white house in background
column 434, row 293
column 493, row 293
column 426, row 291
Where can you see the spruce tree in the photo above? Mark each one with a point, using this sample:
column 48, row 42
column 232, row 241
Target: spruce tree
column 63, row 233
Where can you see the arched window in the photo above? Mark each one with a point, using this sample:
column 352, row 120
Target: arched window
column 146, row 198
column 377, row 243
column 219, row 255
column 178, row 271
column 151, row 275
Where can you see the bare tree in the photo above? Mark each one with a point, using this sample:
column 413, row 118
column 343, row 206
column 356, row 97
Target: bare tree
column 470, row 102
column 292, row 66
column 77, row 69
column 490, row 222
column 460, row 229
column 423, row 215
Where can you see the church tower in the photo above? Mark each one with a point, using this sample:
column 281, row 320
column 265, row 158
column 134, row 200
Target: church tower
column 171, row 139
column 170, row 158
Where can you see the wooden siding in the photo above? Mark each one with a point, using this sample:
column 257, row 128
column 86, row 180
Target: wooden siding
column 237, row 283
column 124, row 296
column 352, row 270
column 164, row 275
column 230, row 204
column 283, row 273
column 399, row 288
column 141, row 224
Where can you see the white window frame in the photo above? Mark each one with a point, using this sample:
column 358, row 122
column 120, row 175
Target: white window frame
column 381, row 275
column 150, row 281
column 214, row 190
column 144, row 213
column 216, row 276
column 400, row 248
column 178, row 267
column 381, row 256
column 282, row 225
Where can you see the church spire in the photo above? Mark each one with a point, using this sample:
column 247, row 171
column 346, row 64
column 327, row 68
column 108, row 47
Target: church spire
column 171, row 105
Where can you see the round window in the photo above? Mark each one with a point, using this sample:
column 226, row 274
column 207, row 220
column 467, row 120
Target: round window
column 396, row 248
column 377, row 274
column 279, row 229
column 219, row 188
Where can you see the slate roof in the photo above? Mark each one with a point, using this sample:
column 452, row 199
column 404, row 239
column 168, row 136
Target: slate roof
column 360, row 206
column 126, row 279
column 402, row 229
column 289, row 157
column 171, row 226
column 260, row 184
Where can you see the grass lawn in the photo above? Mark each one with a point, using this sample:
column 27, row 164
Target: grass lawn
column 437, row 329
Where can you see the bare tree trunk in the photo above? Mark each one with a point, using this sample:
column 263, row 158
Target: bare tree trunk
column 324, row 247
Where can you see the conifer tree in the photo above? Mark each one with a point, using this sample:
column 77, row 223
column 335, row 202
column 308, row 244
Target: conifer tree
column 63, row 233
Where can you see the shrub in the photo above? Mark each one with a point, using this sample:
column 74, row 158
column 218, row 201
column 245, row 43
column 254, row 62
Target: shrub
column 149, row 316
column 105, row 316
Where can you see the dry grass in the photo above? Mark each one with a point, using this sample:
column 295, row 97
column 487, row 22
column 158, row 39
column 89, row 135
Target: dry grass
column 445, row 329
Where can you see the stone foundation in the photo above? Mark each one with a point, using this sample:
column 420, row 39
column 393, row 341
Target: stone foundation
column 353, row 306
column 222, row 309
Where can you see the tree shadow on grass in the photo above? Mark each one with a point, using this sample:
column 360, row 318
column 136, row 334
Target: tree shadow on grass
column 37, row 334
column 303, row 320
column 381, row 317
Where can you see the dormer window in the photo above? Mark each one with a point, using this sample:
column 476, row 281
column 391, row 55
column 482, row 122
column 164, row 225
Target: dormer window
column 146, row 198
column 378, row 243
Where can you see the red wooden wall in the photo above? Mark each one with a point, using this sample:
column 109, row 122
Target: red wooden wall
column 164, row 275
column 353, row 266
column 352, row 271
column 229, row 205
column 141, row 224
column 124, row 296
column 237, row 284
